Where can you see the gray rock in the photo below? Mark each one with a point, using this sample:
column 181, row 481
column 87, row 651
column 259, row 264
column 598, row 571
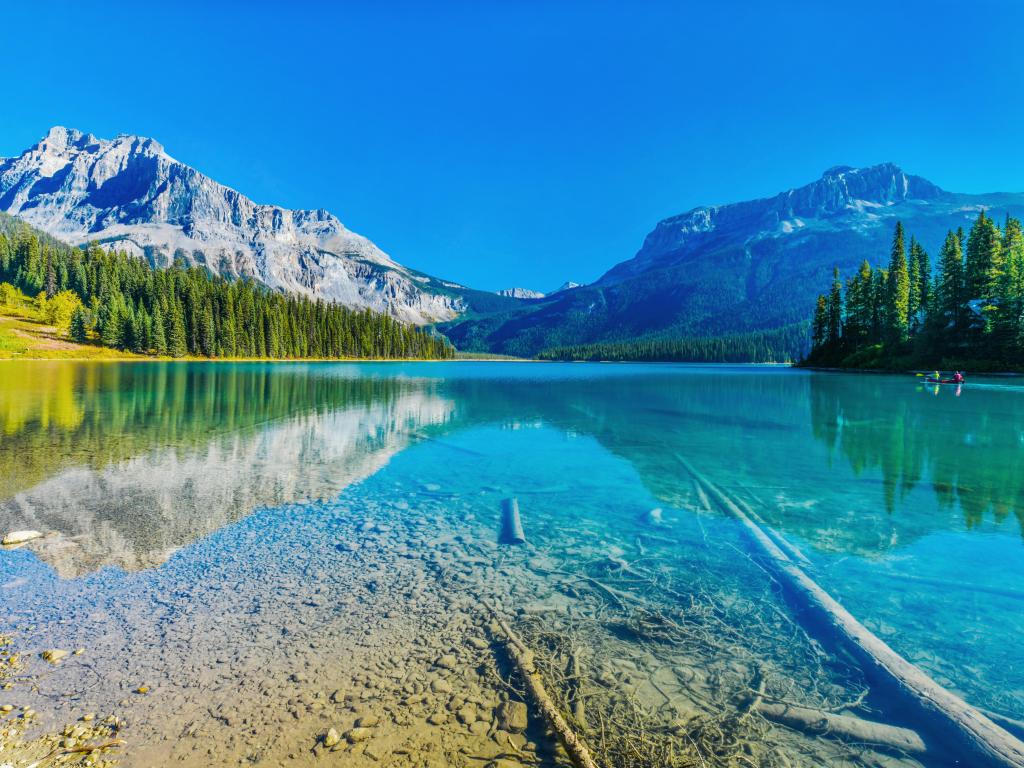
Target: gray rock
column 512, row 716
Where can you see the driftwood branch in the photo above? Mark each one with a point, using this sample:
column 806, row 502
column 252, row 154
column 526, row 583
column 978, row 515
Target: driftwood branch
column 949, row 716
column 523, row 658
column 844, row 727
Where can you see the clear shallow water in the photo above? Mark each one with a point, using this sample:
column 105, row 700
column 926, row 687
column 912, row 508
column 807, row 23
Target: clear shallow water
column 178, row 495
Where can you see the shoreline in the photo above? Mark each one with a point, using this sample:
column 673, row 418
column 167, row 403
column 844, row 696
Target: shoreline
column 903, row 372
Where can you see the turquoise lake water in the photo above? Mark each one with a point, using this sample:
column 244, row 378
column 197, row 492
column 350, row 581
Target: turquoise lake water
column 164, row 486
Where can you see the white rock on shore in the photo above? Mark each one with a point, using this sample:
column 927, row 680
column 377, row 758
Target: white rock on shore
column 20, row 537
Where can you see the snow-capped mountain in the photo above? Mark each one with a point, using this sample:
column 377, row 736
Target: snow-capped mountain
column 749, row 266
column 129, row 192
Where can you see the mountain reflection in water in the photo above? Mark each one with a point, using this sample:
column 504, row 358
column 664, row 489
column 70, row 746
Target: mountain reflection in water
column 127, row 462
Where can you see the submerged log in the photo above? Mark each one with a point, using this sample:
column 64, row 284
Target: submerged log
column 844, row 727
column 511, row 525
column 523, row 659
column 945, row 714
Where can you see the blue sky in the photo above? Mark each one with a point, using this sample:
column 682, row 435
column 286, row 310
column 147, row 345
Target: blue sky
column 527, row 143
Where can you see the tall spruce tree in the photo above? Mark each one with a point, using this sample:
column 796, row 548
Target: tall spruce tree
column 951, row 286
column 898, row 289
column 983, row 266
column 834, row 308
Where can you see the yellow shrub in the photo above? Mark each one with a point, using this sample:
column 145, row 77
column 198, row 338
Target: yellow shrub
column 57, row 311
column 11, row 296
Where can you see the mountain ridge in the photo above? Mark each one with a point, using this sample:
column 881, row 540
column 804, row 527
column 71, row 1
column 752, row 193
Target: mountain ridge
column 128, row 191
column 744, row 267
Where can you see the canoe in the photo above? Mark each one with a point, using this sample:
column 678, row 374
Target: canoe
column 930, row 380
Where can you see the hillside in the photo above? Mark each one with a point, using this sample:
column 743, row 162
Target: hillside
column 735, row 269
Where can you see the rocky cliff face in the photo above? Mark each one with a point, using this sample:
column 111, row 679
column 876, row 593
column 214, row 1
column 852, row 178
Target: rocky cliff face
column 130, row 193
column 520, row 293
column 843, row 198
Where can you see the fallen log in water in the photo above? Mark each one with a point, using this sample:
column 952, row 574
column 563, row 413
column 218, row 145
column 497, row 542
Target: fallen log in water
column 523, row 659
column 844, row 727
column 511, row 525
column 945, row 714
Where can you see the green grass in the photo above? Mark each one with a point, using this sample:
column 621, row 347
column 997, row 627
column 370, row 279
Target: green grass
column 23, row 336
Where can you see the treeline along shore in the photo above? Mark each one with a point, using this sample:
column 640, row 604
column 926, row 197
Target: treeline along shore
column 969, row 315
column 108, row 297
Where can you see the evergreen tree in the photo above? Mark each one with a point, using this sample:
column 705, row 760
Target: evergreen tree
column 914, row 283
column 176, row 339
column 897, row 290
column 983, row 268
column 819, row 327
column 951, row 288
column 924, row 282
column 834, row 308
column 159, row 336
column 79, row 325
column 859, row 305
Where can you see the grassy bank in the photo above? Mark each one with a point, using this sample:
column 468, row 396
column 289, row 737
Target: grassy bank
column 25, row 336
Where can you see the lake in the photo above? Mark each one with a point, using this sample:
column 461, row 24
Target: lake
column 247, row 555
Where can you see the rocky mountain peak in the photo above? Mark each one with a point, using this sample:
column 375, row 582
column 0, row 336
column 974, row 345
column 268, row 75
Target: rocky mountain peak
column 841, row 191
column 130, row 193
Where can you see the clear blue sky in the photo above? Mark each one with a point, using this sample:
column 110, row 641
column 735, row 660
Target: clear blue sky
column 527, row 143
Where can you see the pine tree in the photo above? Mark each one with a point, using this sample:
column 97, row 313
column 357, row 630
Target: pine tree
column 819, row 327
column 898, row 290
column 159, row 337
column 924, row 278
column 79, row 325
column 176, row 339
column 834, row 307
column 914, row 284
column 983, row 267
column 951, row 288
column 208, row 337
column 859, row 302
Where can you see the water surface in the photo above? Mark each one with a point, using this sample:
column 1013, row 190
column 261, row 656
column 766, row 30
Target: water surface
column 206, row 521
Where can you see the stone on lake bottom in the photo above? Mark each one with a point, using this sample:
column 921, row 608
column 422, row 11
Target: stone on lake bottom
column 331, row 738
column 512, row 716
column 20, row 537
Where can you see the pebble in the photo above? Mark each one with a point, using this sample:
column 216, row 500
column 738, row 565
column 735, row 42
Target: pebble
column 478, row 643
column 54, row 655
column 438, row 718
column 368, row 721
column 479, row 728
column 359, row 734
column 441, row 686
column 448, row 661
column 6, row 708
column 88, row 717
column 331, row 738
column 142, row 689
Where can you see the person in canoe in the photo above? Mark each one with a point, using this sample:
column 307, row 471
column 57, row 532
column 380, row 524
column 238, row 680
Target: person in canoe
column 958, row 378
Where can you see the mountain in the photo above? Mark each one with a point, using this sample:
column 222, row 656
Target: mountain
column 566, row 286
column 733, row 269
column 520, row 293
column 130, row 193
